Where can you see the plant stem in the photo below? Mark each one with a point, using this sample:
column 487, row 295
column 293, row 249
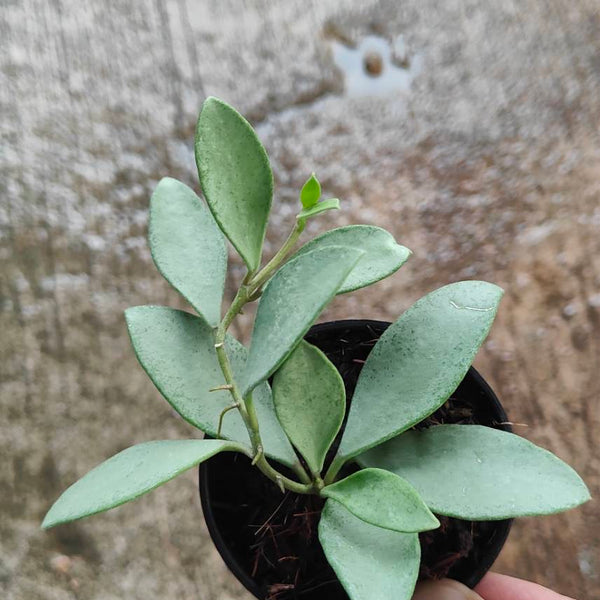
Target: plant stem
column 279, row 257
column 302, row 474
column 246, row 405
column 334, row 468
column 248, row 414
column 234, row 309
column 283, row 481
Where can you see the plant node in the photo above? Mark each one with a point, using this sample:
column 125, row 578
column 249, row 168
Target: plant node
column 258, row 455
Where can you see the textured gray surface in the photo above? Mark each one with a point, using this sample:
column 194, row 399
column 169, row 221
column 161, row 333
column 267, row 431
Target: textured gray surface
column 485, row 161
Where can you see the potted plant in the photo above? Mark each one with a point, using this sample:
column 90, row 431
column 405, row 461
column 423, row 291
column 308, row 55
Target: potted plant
column 369, row 479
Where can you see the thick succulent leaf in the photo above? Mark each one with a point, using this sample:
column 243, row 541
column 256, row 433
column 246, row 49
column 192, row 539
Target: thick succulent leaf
column 177, row 351
column 310, row 402
column 479, row 473
column 187, row 247
column 418, row 362
column 383, row 499
column 129, row 474
column 382, row 255
column 235, row 176
column 290, row 303
column 372, row 563
column 330, row 204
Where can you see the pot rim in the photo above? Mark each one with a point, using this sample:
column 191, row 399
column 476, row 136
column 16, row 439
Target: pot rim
column 503, row 526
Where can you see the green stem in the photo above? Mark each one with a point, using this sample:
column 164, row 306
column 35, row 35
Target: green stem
column 262, row 276
column 234, row 309
column 246, row 406
column 334, row 469
column 302, row 474
column 282, row 480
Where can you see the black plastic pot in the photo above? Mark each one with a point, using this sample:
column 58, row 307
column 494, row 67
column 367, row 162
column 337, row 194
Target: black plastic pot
column 269, row 541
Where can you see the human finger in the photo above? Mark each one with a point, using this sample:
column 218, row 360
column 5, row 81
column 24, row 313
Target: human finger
column 502, row 587
column 446, row 589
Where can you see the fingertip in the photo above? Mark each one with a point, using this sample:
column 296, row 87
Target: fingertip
column 446, row 589
column 502, row 587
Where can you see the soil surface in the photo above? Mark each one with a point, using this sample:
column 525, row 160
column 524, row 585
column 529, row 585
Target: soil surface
column 473, row 138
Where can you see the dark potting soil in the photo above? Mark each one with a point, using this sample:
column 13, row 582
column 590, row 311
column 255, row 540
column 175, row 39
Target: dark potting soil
column 273, row 536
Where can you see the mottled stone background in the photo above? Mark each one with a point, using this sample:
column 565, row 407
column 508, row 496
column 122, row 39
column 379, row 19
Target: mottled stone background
column 477, row 146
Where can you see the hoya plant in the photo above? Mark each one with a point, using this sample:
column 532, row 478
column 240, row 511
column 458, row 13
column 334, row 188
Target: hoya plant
column 282, row 403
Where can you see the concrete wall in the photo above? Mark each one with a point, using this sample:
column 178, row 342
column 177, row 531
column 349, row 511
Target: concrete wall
column 477, row 147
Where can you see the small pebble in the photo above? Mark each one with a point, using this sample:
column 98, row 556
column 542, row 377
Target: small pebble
column 570, row 310
column 594, row 301
column 373, row 63
column 61, row 564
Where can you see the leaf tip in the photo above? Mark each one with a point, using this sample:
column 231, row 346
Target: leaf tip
column 492, row 288
column 475, row 295
column 586, row 496
column 130, row 314
column 47, row 522
column 210, row 101
column 52, row 519
column 166, row 181
column 434, row 521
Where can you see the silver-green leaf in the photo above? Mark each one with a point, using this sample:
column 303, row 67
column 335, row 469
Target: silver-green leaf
column 290, row 303
column 129, row 474
column 383, row 256
column 177, row 351
column 235, row 176
column 372, row 563
column 187, row 247
column 383, row 499
column 310, row 402
column 479, row 473
column 418, row 362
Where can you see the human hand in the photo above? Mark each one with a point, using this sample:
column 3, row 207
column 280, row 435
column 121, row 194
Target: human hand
column 492, row 587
